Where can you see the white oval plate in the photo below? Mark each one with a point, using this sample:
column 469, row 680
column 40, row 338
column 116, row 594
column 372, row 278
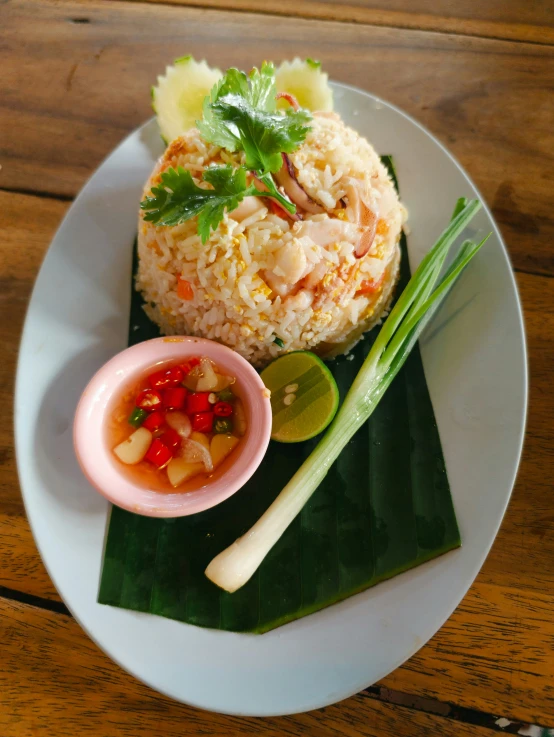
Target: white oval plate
column 476, row 370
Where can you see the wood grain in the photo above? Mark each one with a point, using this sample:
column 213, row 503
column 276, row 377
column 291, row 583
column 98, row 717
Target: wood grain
column 531, row 21
column 28, row 224
column 489, row 101
column 55, row 680
column 493, row 654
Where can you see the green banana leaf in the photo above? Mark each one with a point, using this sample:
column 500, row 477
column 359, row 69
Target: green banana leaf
column 384, row 507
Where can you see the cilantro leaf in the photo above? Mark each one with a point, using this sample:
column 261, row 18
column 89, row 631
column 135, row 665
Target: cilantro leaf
column 233, row 82
column 233, row 123
column 258, row 88
column 230, row 189
column 213, row 131
column 263, row 88
column 177, row 198
column 209, row 127
column 240, row 115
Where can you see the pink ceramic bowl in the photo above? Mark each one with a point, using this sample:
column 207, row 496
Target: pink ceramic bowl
column 102, row 468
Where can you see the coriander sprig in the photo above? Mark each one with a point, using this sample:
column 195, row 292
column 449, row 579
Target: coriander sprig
column 258, row 88
column 240, row 114
column 178, row 198
column 235, row 124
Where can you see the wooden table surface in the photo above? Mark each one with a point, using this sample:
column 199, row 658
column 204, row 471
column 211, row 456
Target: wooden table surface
column 74, row 80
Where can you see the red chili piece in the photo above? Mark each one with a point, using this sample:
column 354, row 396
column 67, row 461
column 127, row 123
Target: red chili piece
column 171, row 439
column 149, row 400
column 202, row 421
column 154, row 421
column 158, row 454
column 198, row 402
column 174, row 397
column 170, row 377
column 189, row 365
column 223, row 409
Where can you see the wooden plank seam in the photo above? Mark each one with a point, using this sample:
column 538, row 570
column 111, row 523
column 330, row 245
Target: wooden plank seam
column 457, row 713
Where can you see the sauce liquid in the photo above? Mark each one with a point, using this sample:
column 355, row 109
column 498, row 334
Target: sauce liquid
column 145, row 474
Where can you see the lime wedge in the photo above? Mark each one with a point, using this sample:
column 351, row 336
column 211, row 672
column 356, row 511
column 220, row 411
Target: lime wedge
column 304, row 396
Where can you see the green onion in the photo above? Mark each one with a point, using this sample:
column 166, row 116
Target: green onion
column 223, row 425
column 278, row 342
column 137, row 417
column 226, row 395
column 233, row 567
